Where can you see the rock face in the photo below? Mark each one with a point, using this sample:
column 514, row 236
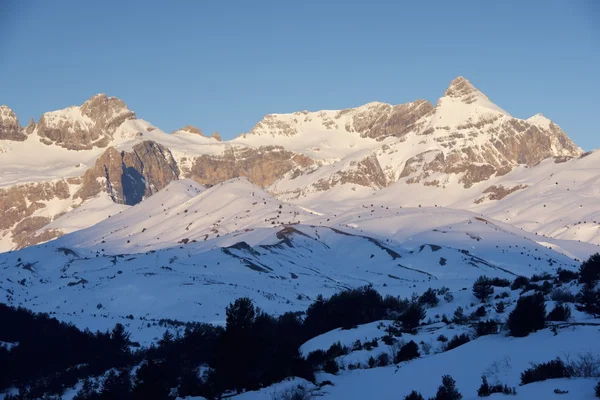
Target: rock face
column 83, row 128
column 129, row 177
column 261, row 166
column 18, row 204
column 9, row 126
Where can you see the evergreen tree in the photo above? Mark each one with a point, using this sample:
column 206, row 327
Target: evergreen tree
column 482, row 288
column 589, row 272
column 528, row 316
column 447, row 390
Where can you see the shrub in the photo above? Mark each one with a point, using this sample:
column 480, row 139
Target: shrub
column 412, row 316
column 447, row 390
column 407, row 352
column 482, row 288
column 383, row 359
column 586, row 365
column 486, row 389
column 297, row 393
column 500, row 307
column 489, row 327
column 519, row 283
column 561, row 312
column 459, row 316
column 528, row 316
column 388, row 340
column 566, row 276
column 562, row 295
column 500, row 282
column 542, row 277
column 442, row 339
column 589, row 300
column 429, row 298
column 480, row 312
column 371, row 362
column 598, row 390
column 414, row 395
column 331, row 367
column 457, row 341
column 554, row 369
column 589, row 272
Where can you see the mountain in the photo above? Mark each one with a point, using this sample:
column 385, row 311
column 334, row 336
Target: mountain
column 461, row 145
column 187, row 251
column 107, row 220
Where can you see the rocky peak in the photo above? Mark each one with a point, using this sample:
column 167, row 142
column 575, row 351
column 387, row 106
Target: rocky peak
column 9, row 125
column 109, row 112
column 216, row 136
column 82, row 128
column 191, row 129
column 460, row 87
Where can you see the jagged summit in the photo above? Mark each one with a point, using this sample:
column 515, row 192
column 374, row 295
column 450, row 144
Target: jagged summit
column 84, row 127
column 460, row 86
column 10, row 129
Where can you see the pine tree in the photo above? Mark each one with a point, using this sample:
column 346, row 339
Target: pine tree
column 482, row 288
column 447, row 390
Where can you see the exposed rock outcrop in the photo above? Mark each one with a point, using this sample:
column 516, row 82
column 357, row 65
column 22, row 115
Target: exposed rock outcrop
column 261, row 166
column 9, row 125
column 82, row 128
column 129, row 177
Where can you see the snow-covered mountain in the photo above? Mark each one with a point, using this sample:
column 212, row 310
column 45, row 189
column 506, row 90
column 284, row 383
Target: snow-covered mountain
column 465, row 145
column 106, row 219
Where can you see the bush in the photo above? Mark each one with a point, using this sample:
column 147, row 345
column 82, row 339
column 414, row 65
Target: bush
column 482, row 288
column 429, row 298
column 486, row 390
column 331, row 367
column 562, row 295
column 589, row 272
column 542, row 277
column 519, row 283
column 442, row 339
column 586, row 365
column 528, row 316
column 598, row 390
column 589, row 300
column 480, row 312
column 561, row 312
column 447, row 390
column 383, row 359
column 459, row 316
column 414, row 395
column 457, row 341
column 500, row 282
column 412, row 316
column 500, row 307
column 566, row 276
column 489, row 327
column 407, row 352
column 554, row 369
column 297, row 393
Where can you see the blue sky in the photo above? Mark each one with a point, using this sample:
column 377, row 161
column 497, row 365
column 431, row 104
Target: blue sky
column 222, row 65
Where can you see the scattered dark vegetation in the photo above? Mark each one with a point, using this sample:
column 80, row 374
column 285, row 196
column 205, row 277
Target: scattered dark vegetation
column 255, row 349
column 554, row 369
column 486, row 390
column 457, row 341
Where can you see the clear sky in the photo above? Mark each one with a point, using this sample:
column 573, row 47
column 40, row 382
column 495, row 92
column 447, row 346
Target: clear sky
column 223, row 65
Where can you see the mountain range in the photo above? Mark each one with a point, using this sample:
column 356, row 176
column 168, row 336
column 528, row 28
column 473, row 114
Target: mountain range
column 107, row 219
column 465, row 152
